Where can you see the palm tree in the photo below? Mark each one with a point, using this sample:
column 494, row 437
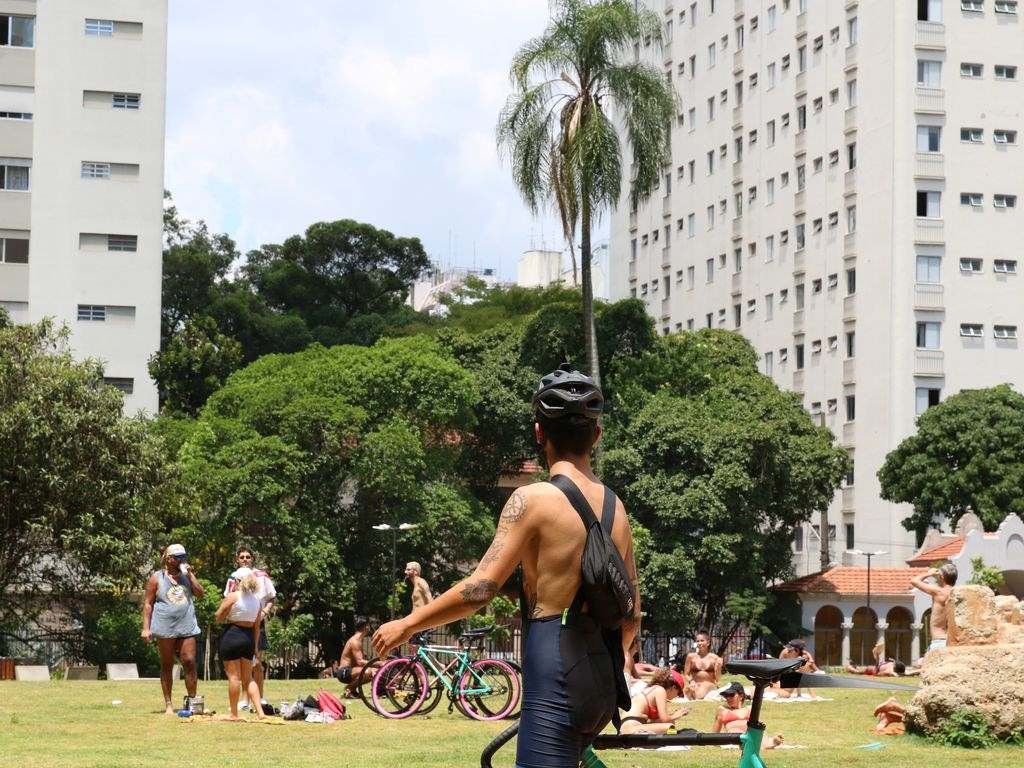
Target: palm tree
column 557, row 125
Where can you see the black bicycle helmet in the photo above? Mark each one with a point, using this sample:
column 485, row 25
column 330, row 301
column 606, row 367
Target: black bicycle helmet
column 566, row 392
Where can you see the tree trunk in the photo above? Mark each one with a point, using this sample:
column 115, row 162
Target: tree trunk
column 572, row 259
column 589, row 336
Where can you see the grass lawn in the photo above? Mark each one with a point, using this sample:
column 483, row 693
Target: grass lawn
column 75, row 723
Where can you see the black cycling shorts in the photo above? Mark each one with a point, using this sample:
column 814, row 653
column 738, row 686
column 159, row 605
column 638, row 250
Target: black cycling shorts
column 237, row 643
column 569, row 692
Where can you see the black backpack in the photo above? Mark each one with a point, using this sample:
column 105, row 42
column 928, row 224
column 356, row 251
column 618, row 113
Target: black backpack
column 605, row 586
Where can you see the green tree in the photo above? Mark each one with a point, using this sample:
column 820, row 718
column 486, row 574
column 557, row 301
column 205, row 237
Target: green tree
column 193, row 364
column 719, row 467
column 557, row 125
column 81, row 486
column 967, row 454
column 985, row 575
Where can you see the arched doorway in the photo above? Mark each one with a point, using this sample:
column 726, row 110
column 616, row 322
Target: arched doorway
column 898, row 635
column 863, row 636
column 828, row 636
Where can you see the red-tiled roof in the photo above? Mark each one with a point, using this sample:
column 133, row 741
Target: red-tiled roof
column 853, row 580
column 944, row 551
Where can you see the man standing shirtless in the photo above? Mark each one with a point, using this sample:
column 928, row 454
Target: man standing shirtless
column 702, row 668
column 420, row 588
column 945, row 577
column 566, row 703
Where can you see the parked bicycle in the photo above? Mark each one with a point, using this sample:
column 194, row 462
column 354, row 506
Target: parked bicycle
column 481, row 689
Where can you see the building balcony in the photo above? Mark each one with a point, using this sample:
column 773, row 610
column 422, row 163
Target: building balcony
column 737, row 282
column 737, row 9
column 737, row 170
column 849, row 244
column 666, row 205
column 737, row 226
column 801, row 141
column 931, row 35
column 850, row 307
column 930, row 100
column 737, row 62
column 632, row 271
column 666, row 257
column 849, row 433
column 850, row 123
column 850, row 370
column 849, row 498
column 929, row 165
column 850, row 182
column 799, row 201
column 799, row 262
column 666, row 307
column 928, row 362
column 929, row 231
column 798, row 381
column 929, row 296
column 851, row 54
column 737, row 116
column 798, row 321
column 801, row 22
column 801, row 83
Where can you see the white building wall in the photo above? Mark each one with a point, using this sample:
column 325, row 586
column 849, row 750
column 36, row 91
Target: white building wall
column 886, row 302
column 62, row 205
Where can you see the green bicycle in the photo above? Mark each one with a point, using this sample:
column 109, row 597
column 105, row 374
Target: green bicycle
column 761, row 673
column 484, row 689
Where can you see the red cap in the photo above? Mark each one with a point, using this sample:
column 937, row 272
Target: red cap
column 680, row 680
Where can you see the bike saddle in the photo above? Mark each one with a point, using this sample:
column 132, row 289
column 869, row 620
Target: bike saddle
column 420, row 638
column 763, row 671
column 472, row 634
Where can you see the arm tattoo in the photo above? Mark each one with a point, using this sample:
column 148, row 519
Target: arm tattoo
column 482, row 591
column 512, row 513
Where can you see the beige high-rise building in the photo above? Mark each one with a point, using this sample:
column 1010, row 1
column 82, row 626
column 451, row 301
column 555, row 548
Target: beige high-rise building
column 82, row 101
column 844, row 190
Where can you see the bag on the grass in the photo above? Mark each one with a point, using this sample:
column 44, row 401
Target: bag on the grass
column 312, row 703
column 293, row 710
column 330, row 705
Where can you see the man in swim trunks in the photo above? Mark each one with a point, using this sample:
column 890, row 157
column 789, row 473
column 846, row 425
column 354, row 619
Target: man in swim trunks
column 945, row 577
column 570, row 680
column 882, row 667
column 702, row 668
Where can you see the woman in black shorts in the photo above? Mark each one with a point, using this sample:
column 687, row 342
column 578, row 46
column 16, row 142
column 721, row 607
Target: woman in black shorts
column 240, row 641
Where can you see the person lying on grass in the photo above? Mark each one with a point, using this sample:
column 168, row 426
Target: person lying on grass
column 733, row 716
column 648, row 711
column 886, row 668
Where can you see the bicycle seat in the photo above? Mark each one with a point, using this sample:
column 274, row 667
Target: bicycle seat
column 763, row 671
column 473, row 634
column 420, row 638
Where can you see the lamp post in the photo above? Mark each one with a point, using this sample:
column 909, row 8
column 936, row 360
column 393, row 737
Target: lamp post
column 868, row 555
column 394, row 549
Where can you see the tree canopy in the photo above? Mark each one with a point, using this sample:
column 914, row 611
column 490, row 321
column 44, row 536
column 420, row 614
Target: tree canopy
column 967, row 454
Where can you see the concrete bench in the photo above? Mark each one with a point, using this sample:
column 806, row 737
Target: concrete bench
column 32, row 673
column 83, row 673
column 122, row 672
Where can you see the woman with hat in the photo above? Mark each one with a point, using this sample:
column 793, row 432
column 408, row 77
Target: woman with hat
column 648, row 711
column 733, row 716
column 169, row 617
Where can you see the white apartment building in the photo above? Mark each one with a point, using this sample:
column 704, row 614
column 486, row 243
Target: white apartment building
column 845, row 190
column 82, row 93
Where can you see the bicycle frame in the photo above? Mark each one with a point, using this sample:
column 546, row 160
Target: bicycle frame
column 462, row 658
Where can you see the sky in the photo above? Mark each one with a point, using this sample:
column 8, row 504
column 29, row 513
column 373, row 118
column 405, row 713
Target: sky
column 281, row 115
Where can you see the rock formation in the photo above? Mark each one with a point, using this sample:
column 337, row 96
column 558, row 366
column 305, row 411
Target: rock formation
column 982, row 667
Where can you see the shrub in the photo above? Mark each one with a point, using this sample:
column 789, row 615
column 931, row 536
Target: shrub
column 116, row 636
column 966, row 728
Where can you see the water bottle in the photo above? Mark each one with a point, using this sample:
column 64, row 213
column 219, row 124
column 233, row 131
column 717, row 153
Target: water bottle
column 591, row 760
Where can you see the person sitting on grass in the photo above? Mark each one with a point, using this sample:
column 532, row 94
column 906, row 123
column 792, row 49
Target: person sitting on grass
column 239, row 644
column 887, row 668
column 733, row 716
column 702, row 668
column 648, row 711
column 352, row 660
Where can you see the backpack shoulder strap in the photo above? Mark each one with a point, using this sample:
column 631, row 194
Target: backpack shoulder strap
column 608, row 513
column 576, row 499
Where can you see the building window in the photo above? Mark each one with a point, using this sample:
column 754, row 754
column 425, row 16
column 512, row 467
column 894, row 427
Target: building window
column 1004, row 331
column 799, row 295
column 833, row 96
column 769, row 248
column 834, row 35
column 15, row 174
column 1005, row 72
column 126, row 100
column 816, row 286
column 929, row 10
column 801, row 117
column 969, row 69
column 17, row 31
column 1006, row 6
column 124, row 385
column 769, row 191
column 798, row 350
column 833, row 157
column 99, row 27
column 929, row 269
column 816, row 347
column 973, row 199
column 851, row 407
column 928, row 335
column 768, row 363
column 783, row 355
column 972, row 135
column 92, row 312
column 929, row 138
column 929, row 73
column 972, row 5
column 852, row 31
column 970, row 265
column 816, row 226
column 801, row 177
column 851, row 343
column 772, row 18
column 1004, row 201
column 130, row 243
column 709, row 270
column 926, row 397
column 1003, row 136
column 851, row 93
column 14, row 250
column 15, row 115
column 690, row 271
column 1005, row 266
column 928, row 204
column 737, row 315
column 769, row 306
column 91, row 170
column 801, row 237
column 972, row 330
column 798, row 539
column 850, row 538
column 785, row 62
column 851, row 219
column 801, row 59
column 783, row 296
column 833, row 281
column 851, row 281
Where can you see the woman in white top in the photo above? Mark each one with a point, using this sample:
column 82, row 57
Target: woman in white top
column 240, row 642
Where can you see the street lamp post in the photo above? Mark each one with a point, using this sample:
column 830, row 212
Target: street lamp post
column 394, row 550
column 868, row 555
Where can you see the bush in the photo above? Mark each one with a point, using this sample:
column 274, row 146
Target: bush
column 966, row 728
column 116, row 636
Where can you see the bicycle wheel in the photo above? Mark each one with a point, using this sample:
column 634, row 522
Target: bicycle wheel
column 367, row 673
column 399, row 688
column 489, row 690
column 434, row 693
